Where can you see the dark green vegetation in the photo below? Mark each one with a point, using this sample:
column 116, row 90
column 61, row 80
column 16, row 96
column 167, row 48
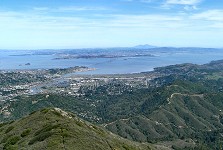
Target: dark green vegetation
column 58, row 130
column 182, row 108
column 190, row 108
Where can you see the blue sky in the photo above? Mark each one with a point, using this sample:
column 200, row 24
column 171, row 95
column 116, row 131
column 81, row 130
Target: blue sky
column 50, row 24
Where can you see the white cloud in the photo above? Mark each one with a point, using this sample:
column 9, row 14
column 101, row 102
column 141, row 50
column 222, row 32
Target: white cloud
column 183, row 2
column 210, row 15
column 146, row 1
column 39, row 29
column 188, row 8
column 187, row 5
column 40, row 8
column 211, row 19
column 39, row 21
column 76, row 8
column 142, row 1
column 127, row 0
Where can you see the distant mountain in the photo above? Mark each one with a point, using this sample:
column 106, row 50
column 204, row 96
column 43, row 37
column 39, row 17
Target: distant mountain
column 146, row 46
column 55, row 129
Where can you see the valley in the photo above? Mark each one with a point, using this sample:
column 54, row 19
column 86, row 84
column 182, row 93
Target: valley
column 170, row 105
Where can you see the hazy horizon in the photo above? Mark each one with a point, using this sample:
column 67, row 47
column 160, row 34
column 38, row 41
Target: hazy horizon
column 79, row 48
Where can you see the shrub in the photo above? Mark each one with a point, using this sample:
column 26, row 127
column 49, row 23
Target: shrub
column 9, row 129
column 26, row 132
column 45, row 110
column 13, row 140
column 43, row 133
column 10, row 142
column 46, row 129
column 6, row 138
column 40, row 137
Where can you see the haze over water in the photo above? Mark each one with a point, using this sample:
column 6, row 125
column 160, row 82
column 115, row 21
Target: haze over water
column 11, row 60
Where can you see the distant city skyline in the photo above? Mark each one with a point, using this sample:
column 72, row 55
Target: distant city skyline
column 61, row 24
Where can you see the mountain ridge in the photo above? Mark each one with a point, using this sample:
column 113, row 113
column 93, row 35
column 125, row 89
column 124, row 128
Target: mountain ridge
column 53, row 128
column 184, row 102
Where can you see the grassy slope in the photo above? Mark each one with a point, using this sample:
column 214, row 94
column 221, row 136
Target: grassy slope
column 58, row 130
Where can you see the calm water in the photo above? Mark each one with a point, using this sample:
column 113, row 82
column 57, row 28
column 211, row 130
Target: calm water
column 16, row 60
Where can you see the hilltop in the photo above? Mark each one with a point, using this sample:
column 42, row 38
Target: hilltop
column 55, row 129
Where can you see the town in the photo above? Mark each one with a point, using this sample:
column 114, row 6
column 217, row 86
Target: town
column 65, row 82
column 14, row 83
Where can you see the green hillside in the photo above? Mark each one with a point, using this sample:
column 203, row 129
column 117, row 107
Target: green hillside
column 182, row 107
column 57, row 130
column 188, row 113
